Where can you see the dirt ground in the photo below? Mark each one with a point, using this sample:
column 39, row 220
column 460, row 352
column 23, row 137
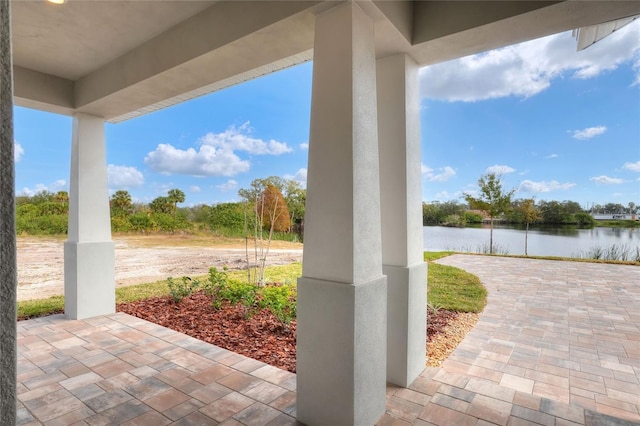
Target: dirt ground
column 139, row 259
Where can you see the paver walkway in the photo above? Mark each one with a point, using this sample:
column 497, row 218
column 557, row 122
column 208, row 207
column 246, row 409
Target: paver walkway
column 558, row 344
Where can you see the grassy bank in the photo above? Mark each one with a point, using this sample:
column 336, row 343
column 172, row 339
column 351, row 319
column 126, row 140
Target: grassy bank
column 617, row 223
column 449, row 288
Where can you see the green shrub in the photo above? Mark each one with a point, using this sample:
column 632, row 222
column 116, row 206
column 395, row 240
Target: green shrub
column 215, row 281
column 184, row 288
column 169, row 222
column 222, row 289
column 455, row 221
column 280, row 300
column 120, row 224
column 42, row 225
column 472, row 217
column 235, row 292
column 228, row 218
column 52, row 208
column 584, row 219
column 142, row 222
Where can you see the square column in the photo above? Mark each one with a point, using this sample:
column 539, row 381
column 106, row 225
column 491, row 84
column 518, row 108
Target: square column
column 341, row 368
column 398, row 92
column 89, row 253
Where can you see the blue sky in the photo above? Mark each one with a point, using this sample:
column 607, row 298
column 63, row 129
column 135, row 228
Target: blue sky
column 556, row 124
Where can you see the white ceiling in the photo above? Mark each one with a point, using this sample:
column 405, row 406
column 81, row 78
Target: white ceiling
column 119, row 59
column 78, row 37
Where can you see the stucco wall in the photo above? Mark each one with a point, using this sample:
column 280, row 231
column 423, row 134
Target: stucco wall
column 8, row 266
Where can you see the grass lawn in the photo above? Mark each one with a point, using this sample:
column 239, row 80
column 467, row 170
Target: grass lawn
column 449, row 288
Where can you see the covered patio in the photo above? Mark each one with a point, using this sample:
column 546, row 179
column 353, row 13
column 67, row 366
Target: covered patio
column 362, row 296
column 557, row 348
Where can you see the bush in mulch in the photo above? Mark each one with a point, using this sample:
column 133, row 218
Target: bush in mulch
column 257, row 334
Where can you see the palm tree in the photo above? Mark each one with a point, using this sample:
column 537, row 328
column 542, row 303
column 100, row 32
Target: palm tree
column 121, row 203
column 175, row 196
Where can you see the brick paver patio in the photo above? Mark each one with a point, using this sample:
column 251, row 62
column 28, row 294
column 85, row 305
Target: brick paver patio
column 558, row 344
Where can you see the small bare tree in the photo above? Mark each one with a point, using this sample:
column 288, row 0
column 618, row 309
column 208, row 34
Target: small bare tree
column 530, row 214
column 269, row 212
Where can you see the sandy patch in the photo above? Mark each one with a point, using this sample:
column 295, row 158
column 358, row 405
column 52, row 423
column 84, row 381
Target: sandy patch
column 138, row 260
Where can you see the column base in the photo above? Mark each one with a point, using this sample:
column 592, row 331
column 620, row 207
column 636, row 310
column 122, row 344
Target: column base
column 407, row 322
column 342, row 335
column 89, row 279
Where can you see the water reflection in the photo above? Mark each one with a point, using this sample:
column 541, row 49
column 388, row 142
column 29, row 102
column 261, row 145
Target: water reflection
column 542, row 241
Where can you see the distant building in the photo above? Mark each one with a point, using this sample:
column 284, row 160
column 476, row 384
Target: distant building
column 617, row 216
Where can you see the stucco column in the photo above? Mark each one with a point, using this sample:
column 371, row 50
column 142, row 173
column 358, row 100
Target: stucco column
column 341, row 369
column 89, row 271
column 8, row 264
column 401, row 208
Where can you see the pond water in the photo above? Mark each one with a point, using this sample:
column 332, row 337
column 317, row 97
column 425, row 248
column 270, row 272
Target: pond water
column 566, row 241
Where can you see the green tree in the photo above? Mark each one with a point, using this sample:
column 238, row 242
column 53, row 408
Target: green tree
column 62, row 197
column 175, row 196
column 296, row 198
column 530, row 214
column 199, row 213
column 471, row 216
column 614, row 208
column 560, row 213
column 584, row 219
column 436, row 213
column 121, row 204
column 552, row 212
column 43, row 196
column 492, row 199
column 161, row 205
column 429, row 214
column 227, row 218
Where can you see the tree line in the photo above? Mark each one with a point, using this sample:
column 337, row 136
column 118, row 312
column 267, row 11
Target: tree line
column 454, row 213
column 492, row 202
column 272, row 205
column 276, row 206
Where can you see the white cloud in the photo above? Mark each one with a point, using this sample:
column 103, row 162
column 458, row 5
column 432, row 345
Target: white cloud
column 239, row 138
column 589, row 132
column 634, row 167
column 300, row 177
column 441, row 174
column 216, row 155
column 304, row 146
column 500, row 169
column 58, row 185
column 552, row 156
column 229, row 185
column 526, row 69
column 18, row 151
column 124, row 177
column 606, row 180
column 542, row 186
column 206, row 161
column 194, row 188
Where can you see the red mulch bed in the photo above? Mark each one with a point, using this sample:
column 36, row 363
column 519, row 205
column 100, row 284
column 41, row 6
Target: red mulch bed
column 261, row 336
